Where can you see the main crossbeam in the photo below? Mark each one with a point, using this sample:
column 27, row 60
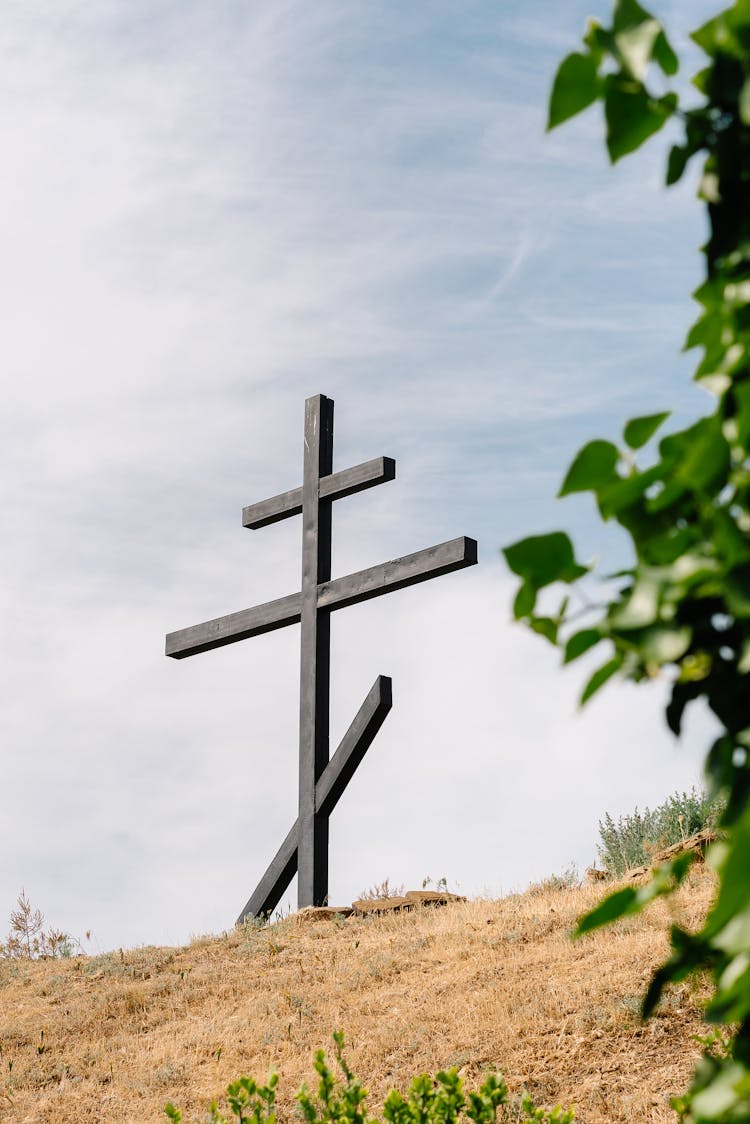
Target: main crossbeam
column 336, row 594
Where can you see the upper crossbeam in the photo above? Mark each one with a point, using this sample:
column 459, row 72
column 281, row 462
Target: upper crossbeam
column 333, row 487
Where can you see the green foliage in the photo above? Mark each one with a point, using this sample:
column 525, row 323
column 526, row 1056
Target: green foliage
column 682, row 609
column 632, row 839
column 430, row 1100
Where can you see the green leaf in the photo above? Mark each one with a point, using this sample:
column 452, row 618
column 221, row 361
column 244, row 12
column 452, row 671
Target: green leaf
column 640, row 430
column 593, row 466
column 725, row 1097
column 744, row 102
column 683, row 692
column 546, row 627
column 524, row 602
column 543, row 559
column 616, row 905
column 600, row 677
column 636, row 45
column 632, row 115
column 717, row 37
column 734, row 888
column 741, row 393
column 631, row 900
column 701, row 80
column 626, row 491
column 669, row 494
column 705, row 455
column 665, row 56
column 697, row 457
column 581, row 642
column 732, row 545
column 677, row 162
column 575, row 87
column 630, row 16
column 629, row 13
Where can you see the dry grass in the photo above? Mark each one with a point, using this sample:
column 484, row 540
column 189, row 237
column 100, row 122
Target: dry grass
column 482, row 985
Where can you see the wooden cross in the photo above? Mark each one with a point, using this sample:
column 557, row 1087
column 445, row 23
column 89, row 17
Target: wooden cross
column 321, row 781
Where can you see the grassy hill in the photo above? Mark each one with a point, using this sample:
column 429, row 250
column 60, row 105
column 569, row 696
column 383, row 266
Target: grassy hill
column 482, row 985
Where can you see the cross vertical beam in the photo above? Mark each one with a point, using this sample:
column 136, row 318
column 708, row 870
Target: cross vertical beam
column 315, row 656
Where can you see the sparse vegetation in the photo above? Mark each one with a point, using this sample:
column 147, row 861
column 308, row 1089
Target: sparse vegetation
column 567, row 879
column 479, row 986
column 29, row 940
column 381, row 890
column 631, row 840
column 430, row 1100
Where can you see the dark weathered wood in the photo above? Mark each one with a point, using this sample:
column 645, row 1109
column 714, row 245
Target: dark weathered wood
column 235, row 626
column 398, row 574
column 333, row 487
column 357, row 479
column 321, row 782
column 354, row 745
column 328, row 791
column 267, row 894
column 315, row 649
column 257, row 515
column 336, row 594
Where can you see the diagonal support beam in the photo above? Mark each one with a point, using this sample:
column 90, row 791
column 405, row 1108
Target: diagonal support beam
column 328, row 791
column 354, row 745
column 333, row 487
column 336, row 594
column 267, row 894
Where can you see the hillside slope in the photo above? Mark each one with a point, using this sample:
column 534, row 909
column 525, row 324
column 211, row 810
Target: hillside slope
column 482, row 985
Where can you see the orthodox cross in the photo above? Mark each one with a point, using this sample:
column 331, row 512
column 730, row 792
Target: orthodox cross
column 321, row 781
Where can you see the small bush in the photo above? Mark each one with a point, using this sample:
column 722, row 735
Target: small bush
column 29, row 940
column 568, row 879
column 430, row 1100
column 631, row 840
column 381, row 890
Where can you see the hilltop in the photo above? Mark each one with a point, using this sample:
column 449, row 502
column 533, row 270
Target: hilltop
column 482, row 985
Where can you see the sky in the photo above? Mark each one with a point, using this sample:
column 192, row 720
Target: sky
column 209, row 213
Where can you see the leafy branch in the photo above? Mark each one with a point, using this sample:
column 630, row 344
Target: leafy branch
column 682, row 608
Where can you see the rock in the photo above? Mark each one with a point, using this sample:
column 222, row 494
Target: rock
column 698, row 842
column 410, row 900
column 594, row 875
column 323, row 912
column 366, row 906
column 433, row 897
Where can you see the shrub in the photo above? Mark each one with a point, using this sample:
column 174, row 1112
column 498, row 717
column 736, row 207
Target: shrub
column 430, row 1100
column 632, row 839
column 28, row 939
column 381, row 890
column 567, row 879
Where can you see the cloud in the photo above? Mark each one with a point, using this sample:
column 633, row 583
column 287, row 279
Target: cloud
column 210, row 214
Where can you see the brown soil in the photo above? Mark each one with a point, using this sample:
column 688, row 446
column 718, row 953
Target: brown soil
column 481, row 985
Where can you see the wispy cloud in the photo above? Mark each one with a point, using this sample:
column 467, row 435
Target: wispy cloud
column 210, row 214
